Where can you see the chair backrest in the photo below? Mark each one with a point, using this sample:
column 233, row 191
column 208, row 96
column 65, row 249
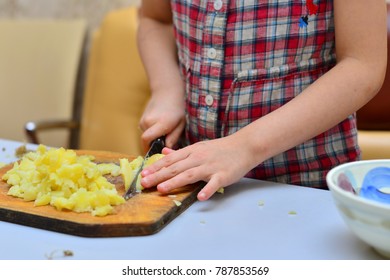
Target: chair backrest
column 116, row 87
column 39, row 61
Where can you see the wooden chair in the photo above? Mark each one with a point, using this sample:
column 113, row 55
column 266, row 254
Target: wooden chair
column 39, row 63
column 116, row 89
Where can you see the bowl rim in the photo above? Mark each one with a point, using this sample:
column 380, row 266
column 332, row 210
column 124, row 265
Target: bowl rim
column 355, row 198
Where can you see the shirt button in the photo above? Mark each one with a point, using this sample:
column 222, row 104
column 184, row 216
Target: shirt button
column 209, row 99
column 218, row 4
column 212, row 53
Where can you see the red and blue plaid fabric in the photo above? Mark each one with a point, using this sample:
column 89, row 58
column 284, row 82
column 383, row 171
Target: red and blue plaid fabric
column 242, row 59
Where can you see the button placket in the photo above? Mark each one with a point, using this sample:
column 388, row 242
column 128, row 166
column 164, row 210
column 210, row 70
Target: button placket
column 212, row 63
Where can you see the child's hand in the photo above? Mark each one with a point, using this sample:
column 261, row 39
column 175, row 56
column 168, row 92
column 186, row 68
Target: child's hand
column 163, row 115
column 219, row 162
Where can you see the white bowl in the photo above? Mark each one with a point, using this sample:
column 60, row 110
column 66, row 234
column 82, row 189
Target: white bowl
column 369, row 219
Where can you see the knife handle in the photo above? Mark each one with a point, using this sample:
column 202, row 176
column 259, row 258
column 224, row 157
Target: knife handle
column 157, row 145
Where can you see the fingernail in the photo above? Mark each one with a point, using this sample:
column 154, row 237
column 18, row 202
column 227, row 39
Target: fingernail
column 162, row 187
column 145, row 173
column 202, row 196
column 144, row 182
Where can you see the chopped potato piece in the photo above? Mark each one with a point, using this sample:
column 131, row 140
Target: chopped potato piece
column 153, row 159
column 109, row 168
column 63, row 179
column 221, row 190
column 177, row 203
column 129, row 169
column 66, row 181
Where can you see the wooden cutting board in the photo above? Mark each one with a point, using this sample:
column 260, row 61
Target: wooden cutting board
column 144, row 214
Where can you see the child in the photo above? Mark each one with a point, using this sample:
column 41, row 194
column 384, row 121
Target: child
column 263, row 89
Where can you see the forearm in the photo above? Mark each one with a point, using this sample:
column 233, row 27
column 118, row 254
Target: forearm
column 158, row 52
column 164, row 113
column 361, row 49
column 328, row 101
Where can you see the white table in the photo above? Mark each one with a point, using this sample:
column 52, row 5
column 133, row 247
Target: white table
column 229, row 226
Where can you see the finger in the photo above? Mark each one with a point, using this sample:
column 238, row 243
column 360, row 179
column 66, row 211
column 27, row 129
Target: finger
column 210, row 188
column 146, row 121
column 170, row 158
column 184, row 178
column 141, row 125
column 147, row 171
column 155, row 177
column 152, row 133
column 173, row 137
column 167, row 151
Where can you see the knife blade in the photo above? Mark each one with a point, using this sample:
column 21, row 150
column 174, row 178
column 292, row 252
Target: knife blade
column 155, row 148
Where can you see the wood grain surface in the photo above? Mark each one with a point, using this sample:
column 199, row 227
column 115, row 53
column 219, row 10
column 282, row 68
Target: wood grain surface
column 144, row 214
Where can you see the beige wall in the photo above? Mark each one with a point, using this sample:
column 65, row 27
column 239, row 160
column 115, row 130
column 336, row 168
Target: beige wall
column 92, row 10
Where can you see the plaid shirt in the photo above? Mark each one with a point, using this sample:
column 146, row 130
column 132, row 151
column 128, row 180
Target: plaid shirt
column 242, row 59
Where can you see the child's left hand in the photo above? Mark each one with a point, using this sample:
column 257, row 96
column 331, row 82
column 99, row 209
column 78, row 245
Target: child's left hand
column 218, row 162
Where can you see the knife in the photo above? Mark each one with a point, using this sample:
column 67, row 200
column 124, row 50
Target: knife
column 155, row 148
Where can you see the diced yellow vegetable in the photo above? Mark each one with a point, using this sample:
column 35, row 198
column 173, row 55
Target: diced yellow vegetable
column 153, row 159
column 64, row 180
column 177, row 203
column 128, row 169
column 109, row 168
column 221, row 190
column 42, row 199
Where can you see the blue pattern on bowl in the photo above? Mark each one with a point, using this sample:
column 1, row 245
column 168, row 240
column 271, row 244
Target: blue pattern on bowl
column 375, row 180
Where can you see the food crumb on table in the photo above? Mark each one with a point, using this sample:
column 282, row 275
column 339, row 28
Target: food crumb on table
column 56, row 254
column 260, row 203
column 177, row 203
column 21, row 151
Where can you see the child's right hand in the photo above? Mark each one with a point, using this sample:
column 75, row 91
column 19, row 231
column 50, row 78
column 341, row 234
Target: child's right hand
column 163, row 115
